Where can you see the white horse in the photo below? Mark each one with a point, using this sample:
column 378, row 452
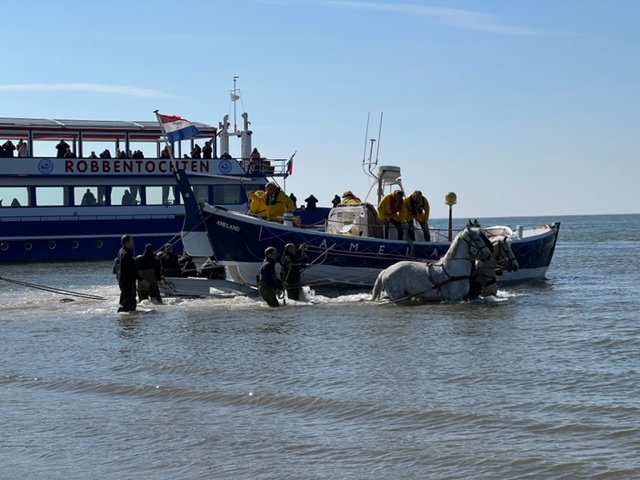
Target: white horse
column 483, row 277
column 445, row 279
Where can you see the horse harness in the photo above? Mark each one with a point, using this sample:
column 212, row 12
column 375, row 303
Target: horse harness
column 486, row 276
column 450, row 278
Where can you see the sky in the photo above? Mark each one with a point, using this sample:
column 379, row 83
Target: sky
column 522, row 108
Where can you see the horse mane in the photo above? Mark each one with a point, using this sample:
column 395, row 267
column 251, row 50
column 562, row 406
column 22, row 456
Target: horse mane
column 469, row 227
column 458, row 238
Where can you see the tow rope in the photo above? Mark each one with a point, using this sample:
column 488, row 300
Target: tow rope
column 53, row 289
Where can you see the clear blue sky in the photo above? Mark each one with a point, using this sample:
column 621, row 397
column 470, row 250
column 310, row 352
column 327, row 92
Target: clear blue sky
column 520, row 107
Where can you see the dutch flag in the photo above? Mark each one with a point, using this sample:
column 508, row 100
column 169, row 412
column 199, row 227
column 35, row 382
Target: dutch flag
column 177, row 128
column 290, row 164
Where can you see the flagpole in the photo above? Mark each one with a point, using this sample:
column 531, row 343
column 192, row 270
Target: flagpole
column 164, row 135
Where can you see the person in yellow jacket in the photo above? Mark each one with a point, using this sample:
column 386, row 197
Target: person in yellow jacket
column 277, row 202
column 390, row 212
column 257, row 205
column 416, row 206
column 348, row 198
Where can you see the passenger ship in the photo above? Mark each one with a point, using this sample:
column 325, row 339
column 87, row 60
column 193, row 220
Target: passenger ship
column 127, row 187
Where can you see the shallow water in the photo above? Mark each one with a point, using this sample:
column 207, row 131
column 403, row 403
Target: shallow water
column 541, row 382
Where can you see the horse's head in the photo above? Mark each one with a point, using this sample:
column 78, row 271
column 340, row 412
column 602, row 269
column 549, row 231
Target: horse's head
column 474, row 224
column 480, row 247
column 504, row 257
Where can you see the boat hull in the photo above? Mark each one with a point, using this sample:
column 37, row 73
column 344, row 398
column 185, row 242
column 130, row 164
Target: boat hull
column 338, row 260
column 203, row 287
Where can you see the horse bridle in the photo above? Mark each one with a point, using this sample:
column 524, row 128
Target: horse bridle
column 486, row 242
column 507, row 260
column 470, row 244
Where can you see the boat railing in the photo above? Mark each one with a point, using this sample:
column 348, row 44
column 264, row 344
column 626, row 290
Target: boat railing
column 366, row 230
column 265, row 166
column 68, row 218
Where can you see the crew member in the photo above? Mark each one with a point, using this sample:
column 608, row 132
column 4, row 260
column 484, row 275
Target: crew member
column 348, row 198
column 277, row 202
column 149, row 269
column 390, row 212
column 211, row 270
column 187, row 267
column 416, row 206
column 291, row 270
column 311, row 202
column 256, row 203
column 127, row 274
column 268, row 281
column 169, row 264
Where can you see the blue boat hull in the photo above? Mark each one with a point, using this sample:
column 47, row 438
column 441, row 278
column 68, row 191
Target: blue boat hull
column 97, row 238
column 83, row 239
column 239, row 241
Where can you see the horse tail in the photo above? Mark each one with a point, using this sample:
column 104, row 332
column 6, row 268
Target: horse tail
column 377, row 288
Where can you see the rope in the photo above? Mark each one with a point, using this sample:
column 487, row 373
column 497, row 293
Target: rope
column 323, row 254
column 53, row 290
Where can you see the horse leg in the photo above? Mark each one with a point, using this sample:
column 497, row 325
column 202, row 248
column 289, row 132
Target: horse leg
column 395, row 286
column 377, row 287
column 490, row 290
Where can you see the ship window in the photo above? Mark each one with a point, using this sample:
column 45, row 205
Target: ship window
column 74, row 244
column 28, row 246
column 98, row 243
column 15, row 197
column 52, row 245
column 88, row 196
column 227, row 195
column 202, row 193
column 50, row 196
column 4, row 246
column 164, row 195
column 125, row 196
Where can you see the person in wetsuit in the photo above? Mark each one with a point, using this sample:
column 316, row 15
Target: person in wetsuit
column 149, row 269
column 127, row 274
column 292, row 269
column 268, row 281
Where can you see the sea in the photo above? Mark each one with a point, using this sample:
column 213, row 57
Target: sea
column 540, row 382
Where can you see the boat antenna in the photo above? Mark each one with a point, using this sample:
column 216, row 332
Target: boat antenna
column 234, row 97
column 370, row 163
column 379, row 135
column 366, row 134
